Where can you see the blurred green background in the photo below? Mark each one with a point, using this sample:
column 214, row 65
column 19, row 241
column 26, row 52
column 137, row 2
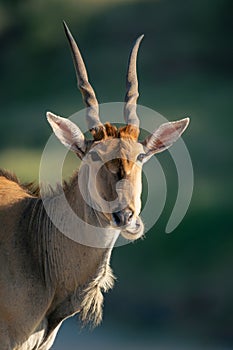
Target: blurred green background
column 173, row 290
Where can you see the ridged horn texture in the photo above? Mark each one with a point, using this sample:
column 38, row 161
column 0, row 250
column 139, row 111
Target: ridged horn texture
column 130, row 108
column 88, row 94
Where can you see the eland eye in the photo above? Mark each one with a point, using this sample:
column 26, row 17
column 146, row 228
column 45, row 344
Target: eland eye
column 94, row 156
column 140, row 157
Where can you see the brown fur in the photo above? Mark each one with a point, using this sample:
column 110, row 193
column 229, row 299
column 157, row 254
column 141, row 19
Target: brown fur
column 129, row 131
column 111, row 131
column 8, row 175
column 8, row 178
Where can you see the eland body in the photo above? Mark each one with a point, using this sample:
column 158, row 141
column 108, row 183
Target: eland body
column 45, row 276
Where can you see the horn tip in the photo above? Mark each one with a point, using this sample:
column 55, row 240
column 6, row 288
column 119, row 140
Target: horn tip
column 66, row 28
column 64, row 24
column 140, row 37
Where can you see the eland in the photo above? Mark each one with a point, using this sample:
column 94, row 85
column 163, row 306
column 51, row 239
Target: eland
column 47, row 276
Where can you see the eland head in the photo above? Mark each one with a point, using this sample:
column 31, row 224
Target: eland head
column 114, row 157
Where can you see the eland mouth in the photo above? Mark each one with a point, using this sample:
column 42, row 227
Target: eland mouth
column 131, row 227
column 134, row 231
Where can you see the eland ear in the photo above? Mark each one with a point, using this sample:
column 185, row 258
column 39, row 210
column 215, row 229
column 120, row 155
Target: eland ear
column 163, row 137
column 68, row 133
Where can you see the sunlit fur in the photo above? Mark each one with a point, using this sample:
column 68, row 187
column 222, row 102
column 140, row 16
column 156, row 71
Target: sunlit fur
column 45, row 276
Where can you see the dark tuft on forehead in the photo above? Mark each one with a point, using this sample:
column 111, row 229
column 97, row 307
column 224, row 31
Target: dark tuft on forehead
column 129, row 131
column 111, row 131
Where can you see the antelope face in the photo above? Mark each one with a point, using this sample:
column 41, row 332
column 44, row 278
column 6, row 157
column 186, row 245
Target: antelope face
column 114, row 157
column 115, row 172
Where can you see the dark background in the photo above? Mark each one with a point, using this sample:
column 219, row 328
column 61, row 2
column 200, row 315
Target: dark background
column 176, row 289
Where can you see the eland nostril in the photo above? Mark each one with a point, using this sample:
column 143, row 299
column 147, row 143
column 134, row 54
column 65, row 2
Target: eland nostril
column 122, row 217
column 129, row 216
